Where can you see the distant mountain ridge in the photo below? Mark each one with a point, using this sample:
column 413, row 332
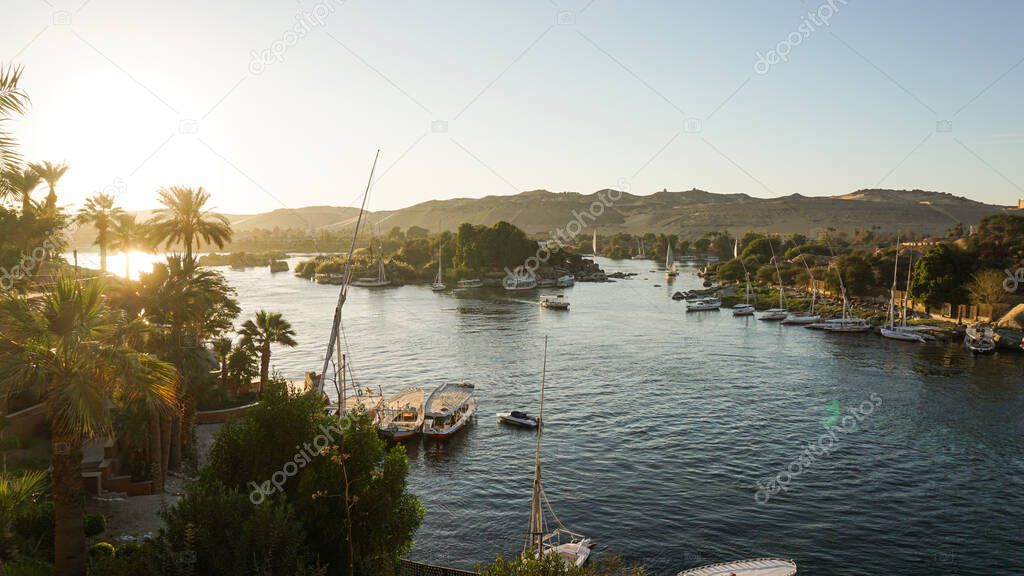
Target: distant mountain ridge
column 689, row 213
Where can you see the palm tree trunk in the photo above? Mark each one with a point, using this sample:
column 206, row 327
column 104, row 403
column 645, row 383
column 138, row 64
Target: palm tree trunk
column 103, row 256
column 264, row 367
column 188, row 425
column 175, row 440
column 155, row 453
column 69, row 539
column 165, row 443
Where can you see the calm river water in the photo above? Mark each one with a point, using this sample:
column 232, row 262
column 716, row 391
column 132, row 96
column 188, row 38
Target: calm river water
column 660, row 425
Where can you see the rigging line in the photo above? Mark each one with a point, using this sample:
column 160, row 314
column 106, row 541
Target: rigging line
column 348, row 351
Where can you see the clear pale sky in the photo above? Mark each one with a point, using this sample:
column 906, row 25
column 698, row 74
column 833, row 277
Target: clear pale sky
column 573, row 95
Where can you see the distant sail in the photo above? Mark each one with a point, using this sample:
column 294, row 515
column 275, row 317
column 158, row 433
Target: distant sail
column 595, row 241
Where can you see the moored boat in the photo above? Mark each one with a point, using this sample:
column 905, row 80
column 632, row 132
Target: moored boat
column 671, row 270
column 401, row 417
column 565, row 281
column 518, row 418
column 743, row 310
column 554, row 303
column 780, row 313
column 438, row 285
column 703, row 304
column 470, row 283
column 753, row 567
column 980, row 339
column 449, row 408
column 519, row 282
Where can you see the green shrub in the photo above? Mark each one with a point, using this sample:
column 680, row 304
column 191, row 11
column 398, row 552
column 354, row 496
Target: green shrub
column 101, row 549
column 34, row 530
column 94, row 524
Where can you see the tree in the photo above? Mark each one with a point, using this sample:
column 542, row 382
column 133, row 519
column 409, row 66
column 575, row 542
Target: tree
column 128, row 235
column 268, row 328
column 223, row 347
column 51, row 173
column 21, row 185
column 940, row 276
column 13, row 100
column 185, row 220
column 986, row 287
column 554, row 565
column 82, row 354
column 100, row 211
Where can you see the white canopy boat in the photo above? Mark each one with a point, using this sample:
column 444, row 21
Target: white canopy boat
column 980, row 339
column 449, row 408
column 517, row 418
column 703, row 304
column 573, row 548
column 780, row 313
column 554, row 302
column 401, row 417
column 438, row 285
column 754, row 567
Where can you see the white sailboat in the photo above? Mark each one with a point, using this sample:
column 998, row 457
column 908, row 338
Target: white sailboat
column 671, row 270
column 848, row 323
column 381, row 281
column 438, row 285
column 780, row 313
column 746, row 308
column 810, row 317
column 891, row 330
column 571, row 547
column 641, row 253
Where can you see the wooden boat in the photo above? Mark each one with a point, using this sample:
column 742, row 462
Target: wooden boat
column 573, row 548
column 401, row 417
column 449, row 409
column 517, row 418
column 980, row 339
column 554, row 303
column 381, row 281
column 754, row 567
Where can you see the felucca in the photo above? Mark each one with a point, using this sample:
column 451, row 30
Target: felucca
column 746, row 308
column 810, row 317
column 671, row 270
column 571, row 547
column 891, row 330
column 438, row 285
column 780, row 313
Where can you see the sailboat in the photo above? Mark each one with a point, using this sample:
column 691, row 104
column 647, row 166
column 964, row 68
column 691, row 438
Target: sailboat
column 892, row 331
column 381, row 281
column 641, row 253
column 438, row 285
column 571, row 547
column 671, row 270
column 362, row 398
column 810, row 317
column 848, row 324
column 780, row 313
column 593, row 246
column 746, row 308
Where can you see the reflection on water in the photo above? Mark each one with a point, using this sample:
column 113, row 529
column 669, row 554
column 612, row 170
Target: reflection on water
column 661, row 423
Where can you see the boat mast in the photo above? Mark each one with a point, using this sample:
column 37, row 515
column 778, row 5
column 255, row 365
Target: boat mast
column 536, row 544
column 906, row 295
column 334, row 340
column 782, row 304
column 814, row 289
column 892, row 292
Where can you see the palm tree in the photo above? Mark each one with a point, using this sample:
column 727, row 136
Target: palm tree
column 15, row 492
column 184, row 220
column 128, row 235
column 100, row 212
column 21, row 184
column 83, row 355
column 51, row 173
column 13, row 101
column 222, row 347
column 269, row 328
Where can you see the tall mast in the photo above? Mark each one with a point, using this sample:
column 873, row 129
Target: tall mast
column 536, row 510
column 906, row 295
column 342, row 294
column 892, row 292
column 778, row 272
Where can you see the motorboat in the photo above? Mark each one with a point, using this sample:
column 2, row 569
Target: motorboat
column 517, row 418
column 753, row 567
column 401, row 416
column 565, row 281
column 519, row 282
column 703, row 304
column 980, row 339
column 554, row 302
column 449, row 408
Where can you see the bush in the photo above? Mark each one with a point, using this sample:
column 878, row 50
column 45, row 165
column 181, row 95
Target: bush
column 34, row 530
column 101, row 549
column 94, row 524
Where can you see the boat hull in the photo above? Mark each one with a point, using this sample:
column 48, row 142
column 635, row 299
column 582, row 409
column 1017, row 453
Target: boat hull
column 902, row 336
column 801, row 320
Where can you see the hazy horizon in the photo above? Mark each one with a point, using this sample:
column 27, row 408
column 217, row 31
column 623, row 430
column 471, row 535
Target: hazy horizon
column 282, row 105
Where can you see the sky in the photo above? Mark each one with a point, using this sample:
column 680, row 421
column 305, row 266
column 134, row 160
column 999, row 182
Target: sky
column 282, row 103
